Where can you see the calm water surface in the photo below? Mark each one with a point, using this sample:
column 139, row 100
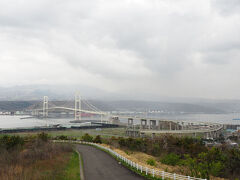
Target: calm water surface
column 17, row 122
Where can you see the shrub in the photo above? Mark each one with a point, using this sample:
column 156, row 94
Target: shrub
column 43, row 136
column 87, row 138
column 233, row 162
column 171, row 159
column 121, row 142
column 200, row 160
column 10, row 142
column 98, row 139
column 126, row 152
column 151, row 162
column 62, row 137
column 132, row 144
column 156, row 150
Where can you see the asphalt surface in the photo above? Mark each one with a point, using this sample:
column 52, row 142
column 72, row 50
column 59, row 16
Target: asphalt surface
column 98, row 165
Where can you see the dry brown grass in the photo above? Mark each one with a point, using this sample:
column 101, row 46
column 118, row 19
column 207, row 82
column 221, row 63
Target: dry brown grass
column 42, row 169
column 141, row 159
column 37, row 160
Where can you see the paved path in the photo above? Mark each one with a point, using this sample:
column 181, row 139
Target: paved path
column 100, row 165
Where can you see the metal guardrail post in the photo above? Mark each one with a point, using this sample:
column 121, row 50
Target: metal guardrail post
column 163, row 175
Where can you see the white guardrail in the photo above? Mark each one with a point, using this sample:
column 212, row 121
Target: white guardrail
column 148, row 171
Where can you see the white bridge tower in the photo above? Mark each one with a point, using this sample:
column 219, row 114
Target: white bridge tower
column 77, row 106
column 45, row 106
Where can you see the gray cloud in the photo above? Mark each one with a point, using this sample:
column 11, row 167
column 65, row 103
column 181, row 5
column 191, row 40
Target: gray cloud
column 160, row 48
column 227, row 7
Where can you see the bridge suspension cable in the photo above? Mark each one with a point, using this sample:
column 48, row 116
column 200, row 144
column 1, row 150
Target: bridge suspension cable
column 92, row 107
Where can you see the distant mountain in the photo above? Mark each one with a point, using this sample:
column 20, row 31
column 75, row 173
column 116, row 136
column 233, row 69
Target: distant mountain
column 25, row 93
column 36, row 92
column 117, row 106
column 162, row 106
column 15, row 105
column 21, row 97
column 227, row 105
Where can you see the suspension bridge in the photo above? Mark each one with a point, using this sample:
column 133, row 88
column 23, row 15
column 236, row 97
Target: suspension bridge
column 49, row 106
column 135, row 126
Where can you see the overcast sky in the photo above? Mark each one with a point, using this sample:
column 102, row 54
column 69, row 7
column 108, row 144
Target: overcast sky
column 174, row 48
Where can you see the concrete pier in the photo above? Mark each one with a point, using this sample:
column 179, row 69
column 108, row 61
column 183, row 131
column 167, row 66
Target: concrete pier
column 143, row 124
column 153, row 124
column 130, row 122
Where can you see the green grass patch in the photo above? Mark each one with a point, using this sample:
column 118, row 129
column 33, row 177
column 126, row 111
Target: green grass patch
column 72, row 169
column 171, row 159
column 151, row 162
column 75, row 133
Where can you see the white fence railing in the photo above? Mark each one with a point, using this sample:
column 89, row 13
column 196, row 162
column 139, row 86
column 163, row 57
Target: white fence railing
column 143, row 169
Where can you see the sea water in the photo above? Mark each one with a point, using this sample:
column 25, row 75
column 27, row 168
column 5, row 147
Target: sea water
column 20, row 122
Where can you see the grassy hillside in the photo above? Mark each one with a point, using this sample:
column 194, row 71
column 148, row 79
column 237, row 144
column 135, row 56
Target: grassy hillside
column 35, row 158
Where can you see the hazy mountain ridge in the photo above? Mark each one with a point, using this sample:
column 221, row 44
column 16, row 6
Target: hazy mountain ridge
column 22, row 97
column 125, row 106
column 163, row 106
column 15, row 105
column 36, row 92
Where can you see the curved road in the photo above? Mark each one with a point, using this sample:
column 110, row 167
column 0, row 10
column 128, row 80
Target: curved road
column 98, row 164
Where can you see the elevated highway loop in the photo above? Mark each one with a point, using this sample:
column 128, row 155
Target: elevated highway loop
column 150, row 126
